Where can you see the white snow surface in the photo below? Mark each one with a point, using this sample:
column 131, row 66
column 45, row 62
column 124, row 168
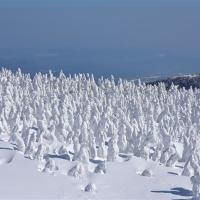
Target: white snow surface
column 60, row 134
column 20, row 179
column 6, row 153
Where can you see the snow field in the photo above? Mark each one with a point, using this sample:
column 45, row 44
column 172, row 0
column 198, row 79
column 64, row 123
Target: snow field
column 84, row 122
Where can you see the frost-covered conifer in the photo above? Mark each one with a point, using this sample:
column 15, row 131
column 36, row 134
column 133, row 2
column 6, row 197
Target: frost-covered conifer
column 100, row 168
column 92, row 145
column 40, row 152
column 63, row 150
column 164, row 156
column 186, row 149
column 18, row 141
column 172, row 160
column 31, row 146
column 122, row 141
column 157, row 152
column 84, row 134
column 77, row 171
column 83, row 154
column 102, row 149
column 113, row 150
column 195, row 180
column 50, row 166
column 76, row 147
column 187, row 169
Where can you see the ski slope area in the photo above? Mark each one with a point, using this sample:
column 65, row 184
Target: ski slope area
column 20, row 179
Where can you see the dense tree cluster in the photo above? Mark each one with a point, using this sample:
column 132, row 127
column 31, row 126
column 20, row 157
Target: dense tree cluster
column 99, row 119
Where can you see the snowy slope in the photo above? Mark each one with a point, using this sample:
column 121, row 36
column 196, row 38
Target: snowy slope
column 75, row 138
column 21, row 180
column 181, row 81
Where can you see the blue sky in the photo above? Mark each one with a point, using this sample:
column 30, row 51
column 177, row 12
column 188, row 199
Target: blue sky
column 60, row 2
column 170, row 27
column 88, row 2
column 137, row 37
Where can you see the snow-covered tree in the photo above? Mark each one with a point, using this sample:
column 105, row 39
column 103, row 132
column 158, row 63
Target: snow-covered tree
column 122, row 140
column 83, row 154
column 113, row 150
column 102, row 150
column 195, row 180
column 50, row 166
column 99, row 119
column 77, row 171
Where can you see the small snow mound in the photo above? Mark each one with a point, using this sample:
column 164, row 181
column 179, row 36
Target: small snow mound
column 147, row 173
column 100, row 168
column 77, row 171
column 90, row 188
column 50, row 166
column 6, row 156
column 7, row 153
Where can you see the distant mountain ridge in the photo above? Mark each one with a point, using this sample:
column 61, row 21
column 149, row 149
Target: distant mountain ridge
column 186, row 81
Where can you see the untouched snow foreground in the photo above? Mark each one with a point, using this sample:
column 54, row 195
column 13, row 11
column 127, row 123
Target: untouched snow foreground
column 21, row 180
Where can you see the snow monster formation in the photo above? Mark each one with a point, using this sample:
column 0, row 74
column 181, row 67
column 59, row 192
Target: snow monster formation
column 88, row 120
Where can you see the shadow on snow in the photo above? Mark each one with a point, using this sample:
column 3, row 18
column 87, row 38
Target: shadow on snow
column 176, row 191
column 64, row 156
